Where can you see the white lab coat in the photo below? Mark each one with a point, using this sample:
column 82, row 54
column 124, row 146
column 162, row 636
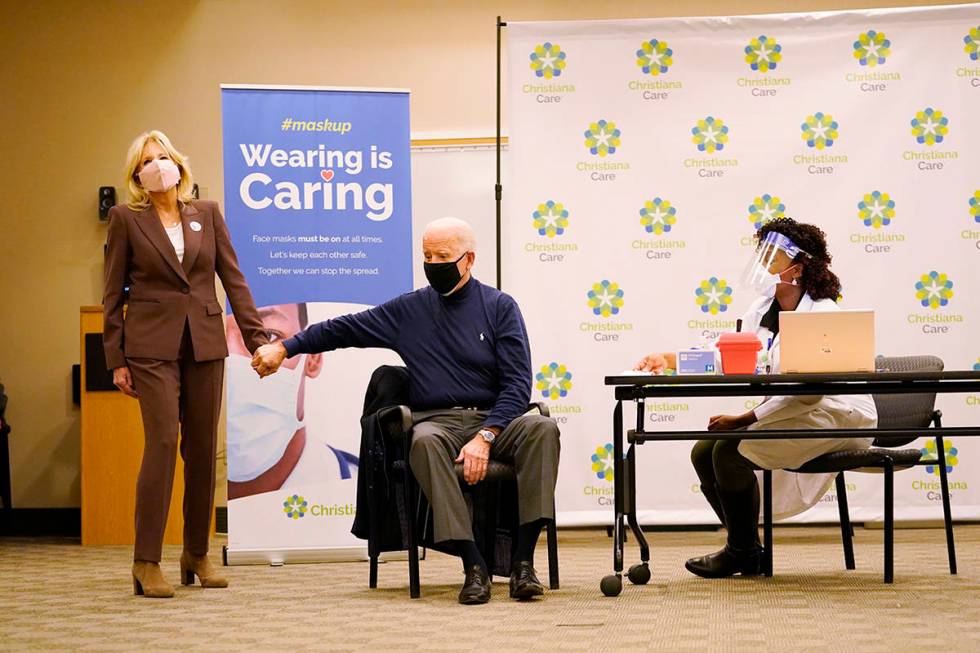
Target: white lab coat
column 795, row 493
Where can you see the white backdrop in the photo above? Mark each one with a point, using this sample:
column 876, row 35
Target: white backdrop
column 644, row 154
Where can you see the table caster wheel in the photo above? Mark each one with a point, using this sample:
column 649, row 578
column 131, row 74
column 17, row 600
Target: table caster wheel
column 639, row 574
column 611, row 585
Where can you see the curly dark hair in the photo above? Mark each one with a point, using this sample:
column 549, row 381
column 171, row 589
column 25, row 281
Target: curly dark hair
column 817, row 279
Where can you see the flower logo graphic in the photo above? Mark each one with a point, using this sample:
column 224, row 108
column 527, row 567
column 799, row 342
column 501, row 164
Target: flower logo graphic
column 713, row 295
column 949, row 452
column 605, row 298
column 550, row 219
column 972, row 41
column 976, row 366
column 547, row 61
column 929, row 127
column 933, row 290
column 294, row 507
column 602, row 463
column 763, row 53
column 765, row 208
column 975, row 205
column 819, row 130
column 710, row 134
column 872, row 48
column 654, row 57
column 876, row 209
column 602, row 138
column 657, row 216
column 554, row 380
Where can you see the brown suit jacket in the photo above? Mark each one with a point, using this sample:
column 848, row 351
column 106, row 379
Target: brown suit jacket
column 165, row 294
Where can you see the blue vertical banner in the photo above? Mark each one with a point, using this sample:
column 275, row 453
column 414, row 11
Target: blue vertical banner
column 318, row 192
column 317, row 185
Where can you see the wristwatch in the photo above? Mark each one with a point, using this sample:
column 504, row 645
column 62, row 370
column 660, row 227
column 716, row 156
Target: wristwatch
column 488, row 435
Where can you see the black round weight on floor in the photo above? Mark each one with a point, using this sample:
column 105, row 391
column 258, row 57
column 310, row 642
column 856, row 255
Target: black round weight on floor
column 611, row 585
column 639, row 574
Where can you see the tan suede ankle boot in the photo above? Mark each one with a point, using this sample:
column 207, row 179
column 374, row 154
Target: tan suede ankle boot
column 148, row 581
column 201, row 566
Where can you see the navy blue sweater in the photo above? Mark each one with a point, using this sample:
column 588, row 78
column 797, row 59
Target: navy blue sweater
column 469, row 349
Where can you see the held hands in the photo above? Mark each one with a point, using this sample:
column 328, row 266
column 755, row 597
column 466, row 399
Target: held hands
column 268, row 358
column 731, row 422
column 122, row 379
column 475, row 456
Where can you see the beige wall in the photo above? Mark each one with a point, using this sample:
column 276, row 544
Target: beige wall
column 79, row 79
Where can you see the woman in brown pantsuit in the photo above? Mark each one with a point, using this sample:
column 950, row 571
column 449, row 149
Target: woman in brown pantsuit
column 169, row 350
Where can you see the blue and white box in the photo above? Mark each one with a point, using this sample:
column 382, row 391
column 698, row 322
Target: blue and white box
column 696, row 361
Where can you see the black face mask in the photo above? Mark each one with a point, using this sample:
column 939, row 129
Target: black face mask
column 443, row 277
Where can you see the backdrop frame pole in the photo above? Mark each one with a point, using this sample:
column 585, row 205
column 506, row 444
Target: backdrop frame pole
column 498, row 188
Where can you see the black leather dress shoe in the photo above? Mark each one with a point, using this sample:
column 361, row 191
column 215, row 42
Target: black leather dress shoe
column 524, row 583
column 725, row 563
column 476, row 587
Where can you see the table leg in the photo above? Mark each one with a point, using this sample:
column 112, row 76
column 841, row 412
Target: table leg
column 612, row 584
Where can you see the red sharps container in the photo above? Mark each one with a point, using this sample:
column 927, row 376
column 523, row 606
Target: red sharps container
column 738, row 352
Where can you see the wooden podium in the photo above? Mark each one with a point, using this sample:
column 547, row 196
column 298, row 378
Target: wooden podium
column 112, row 448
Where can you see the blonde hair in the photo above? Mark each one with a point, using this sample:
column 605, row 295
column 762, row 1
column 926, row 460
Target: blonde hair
column 139, row 198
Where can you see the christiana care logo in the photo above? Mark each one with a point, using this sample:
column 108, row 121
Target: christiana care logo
column 710, row 135
column 602, row 138
column 554, row 381
column 294, row 507
column 929, row 126
column 872, row 48
column 975, row 206
column 657, row 216
column 654, row 57
column 547, row 61
column 605, row 298
column 949, row 452
column 765, row 208
column 820, row 130
column 934, row 290
column 972, row 44
column 550, row 219
column 713, row 295
column 763, row 53
column 602, row 463
column 876, row 209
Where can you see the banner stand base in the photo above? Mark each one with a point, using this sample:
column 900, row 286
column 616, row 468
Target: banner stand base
column 278, row 557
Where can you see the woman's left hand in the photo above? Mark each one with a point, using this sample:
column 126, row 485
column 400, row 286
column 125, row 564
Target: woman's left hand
column 731, row 422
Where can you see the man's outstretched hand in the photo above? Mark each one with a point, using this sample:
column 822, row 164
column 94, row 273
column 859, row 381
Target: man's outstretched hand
column 268, row 358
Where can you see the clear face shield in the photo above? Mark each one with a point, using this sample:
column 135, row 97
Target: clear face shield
column 772, row 258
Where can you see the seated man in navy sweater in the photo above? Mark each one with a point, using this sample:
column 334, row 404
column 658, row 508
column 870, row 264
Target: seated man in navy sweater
column 469, row 367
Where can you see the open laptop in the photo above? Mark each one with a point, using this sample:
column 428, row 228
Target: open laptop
column 827, row 341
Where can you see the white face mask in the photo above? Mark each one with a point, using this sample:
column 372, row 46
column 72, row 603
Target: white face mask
column 766, row 282
column 159, row 175
column 261, row 416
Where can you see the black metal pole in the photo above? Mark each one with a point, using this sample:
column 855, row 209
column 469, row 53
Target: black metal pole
column 498, row 189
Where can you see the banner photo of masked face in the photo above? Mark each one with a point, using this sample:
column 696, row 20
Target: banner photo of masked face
column 318, row 204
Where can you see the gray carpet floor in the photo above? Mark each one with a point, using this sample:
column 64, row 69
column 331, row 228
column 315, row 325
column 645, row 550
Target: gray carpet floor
column 57, row 595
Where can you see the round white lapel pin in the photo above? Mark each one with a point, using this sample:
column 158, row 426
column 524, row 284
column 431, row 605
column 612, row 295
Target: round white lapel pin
column 195, row 225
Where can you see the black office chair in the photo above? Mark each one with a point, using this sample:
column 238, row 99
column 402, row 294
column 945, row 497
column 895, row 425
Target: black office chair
column 4, row 451
column 492, row 503
column 894, row 411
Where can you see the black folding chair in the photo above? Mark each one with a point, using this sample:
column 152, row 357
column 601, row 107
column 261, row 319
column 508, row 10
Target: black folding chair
column 493, row 504
column 894, row 411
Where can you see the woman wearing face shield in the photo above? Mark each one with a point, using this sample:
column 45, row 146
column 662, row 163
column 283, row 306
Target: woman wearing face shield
column 791, row 272
column 168, row 348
